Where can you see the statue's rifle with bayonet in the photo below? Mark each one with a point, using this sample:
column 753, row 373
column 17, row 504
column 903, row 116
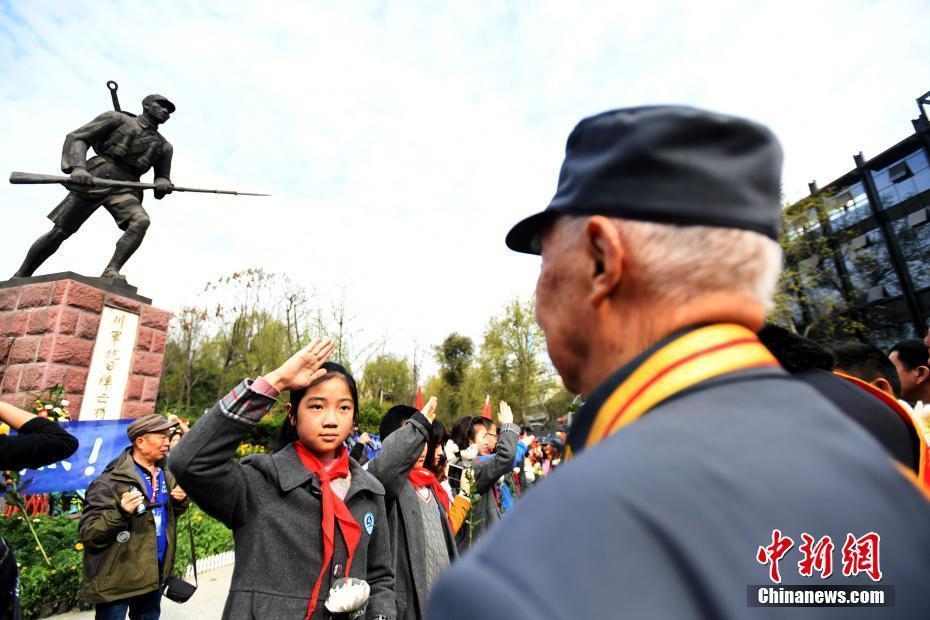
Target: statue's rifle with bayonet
column 29, row 178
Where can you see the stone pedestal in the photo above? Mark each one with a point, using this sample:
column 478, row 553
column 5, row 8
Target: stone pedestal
column 49, row 332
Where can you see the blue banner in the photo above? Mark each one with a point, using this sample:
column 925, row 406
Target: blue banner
column 100, row 442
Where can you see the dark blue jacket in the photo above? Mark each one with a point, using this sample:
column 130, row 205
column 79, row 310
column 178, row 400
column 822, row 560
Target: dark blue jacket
column 664, row 518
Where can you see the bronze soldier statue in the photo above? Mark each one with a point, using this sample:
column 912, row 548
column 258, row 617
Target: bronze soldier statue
column 126, row 147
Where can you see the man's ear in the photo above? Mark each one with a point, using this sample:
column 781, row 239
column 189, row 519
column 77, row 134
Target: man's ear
column 923, row 374
column 605, row 251
column 882, row 384
column 288, row 411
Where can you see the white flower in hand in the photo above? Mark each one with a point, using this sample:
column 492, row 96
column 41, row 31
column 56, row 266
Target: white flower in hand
column 470, row 454
column 451, row 450
column 528, row 471
column 49, row 407
column 348, row 595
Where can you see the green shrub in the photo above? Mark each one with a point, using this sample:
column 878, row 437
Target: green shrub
column 370, row 413
column 210, row 536
column 45, row 590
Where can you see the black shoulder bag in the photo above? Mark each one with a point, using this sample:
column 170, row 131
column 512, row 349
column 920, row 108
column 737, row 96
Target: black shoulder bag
column 176, row 588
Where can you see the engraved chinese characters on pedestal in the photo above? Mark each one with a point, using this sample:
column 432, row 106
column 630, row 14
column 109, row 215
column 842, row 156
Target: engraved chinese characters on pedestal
column 110, row 365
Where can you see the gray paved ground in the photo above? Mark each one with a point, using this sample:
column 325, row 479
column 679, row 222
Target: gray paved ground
column 206, row 604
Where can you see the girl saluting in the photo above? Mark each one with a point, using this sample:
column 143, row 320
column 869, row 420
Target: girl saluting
column 282, row 506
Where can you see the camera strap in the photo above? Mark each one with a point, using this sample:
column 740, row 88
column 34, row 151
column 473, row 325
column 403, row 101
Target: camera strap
column 190, row 531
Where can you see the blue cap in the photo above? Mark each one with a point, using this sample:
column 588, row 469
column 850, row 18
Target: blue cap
column 666, row 164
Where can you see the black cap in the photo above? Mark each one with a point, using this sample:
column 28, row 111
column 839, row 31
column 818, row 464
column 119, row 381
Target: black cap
column 161, row 99
column 666, row 164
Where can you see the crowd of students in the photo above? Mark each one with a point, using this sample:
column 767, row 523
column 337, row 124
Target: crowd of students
column 398, row 520
column 310, row 515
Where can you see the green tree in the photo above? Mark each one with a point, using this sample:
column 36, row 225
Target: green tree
column 510, row 362
column 388, row 378
column 370, row 413
column 454, row 356
column 817, row 296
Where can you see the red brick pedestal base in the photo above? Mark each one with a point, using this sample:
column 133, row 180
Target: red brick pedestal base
column 48, row 326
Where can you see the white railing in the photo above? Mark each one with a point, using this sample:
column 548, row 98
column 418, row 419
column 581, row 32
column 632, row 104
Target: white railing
column 214, row 561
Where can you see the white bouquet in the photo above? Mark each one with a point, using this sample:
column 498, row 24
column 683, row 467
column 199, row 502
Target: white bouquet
column 348, row 595
column 452, row 451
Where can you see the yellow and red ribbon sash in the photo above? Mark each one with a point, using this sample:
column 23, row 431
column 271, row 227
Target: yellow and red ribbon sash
column 695, row 357
column 923, row 474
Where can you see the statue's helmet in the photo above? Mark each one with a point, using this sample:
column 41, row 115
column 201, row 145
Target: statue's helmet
column 160, row 99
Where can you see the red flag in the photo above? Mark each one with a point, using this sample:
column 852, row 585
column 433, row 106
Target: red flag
column 418, row 404
column 486, row 410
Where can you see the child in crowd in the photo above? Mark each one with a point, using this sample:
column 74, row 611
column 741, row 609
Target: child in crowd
column 418, row 506
column 470, row 433
column 303, row 514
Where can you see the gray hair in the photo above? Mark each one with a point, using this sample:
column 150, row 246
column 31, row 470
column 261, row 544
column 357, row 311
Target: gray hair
column 678, row 263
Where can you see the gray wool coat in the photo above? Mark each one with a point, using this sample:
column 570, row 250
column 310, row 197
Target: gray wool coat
column 399, row 453
column 486, row 511
column 273, row 505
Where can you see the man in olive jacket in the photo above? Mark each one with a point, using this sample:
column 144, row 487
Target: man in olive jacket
column 128, row 526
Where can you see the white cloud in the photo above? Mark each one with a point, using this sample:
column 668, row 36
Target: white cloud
column 401, row 140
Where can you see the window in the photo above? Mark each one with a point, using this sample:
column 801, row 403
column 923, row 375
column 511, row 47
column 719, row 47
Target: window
column 917, row 218
column 917, row 161
column 899, row 172
column 877, row 292
column 844, row 199
column 922, row 180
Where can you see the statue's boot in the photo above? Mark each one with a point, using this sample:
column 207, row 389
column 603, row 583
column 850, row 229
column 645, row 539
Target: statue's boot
column 112, row 274
column 127, row 244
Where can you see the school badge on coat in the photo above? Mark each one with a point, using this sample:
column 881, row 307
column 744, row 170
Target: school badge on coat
column 369, row 522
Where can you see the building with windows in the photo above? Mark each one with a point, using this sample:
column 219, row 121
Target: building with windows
column 857, row 250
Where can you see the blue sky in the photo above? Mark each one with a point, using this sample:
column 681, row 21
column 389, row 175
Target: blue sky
column 401, row 140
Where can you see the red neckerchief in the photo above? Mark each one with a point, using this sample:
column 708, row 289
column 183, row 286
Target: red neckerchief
column 421, row 477
column 334, row 509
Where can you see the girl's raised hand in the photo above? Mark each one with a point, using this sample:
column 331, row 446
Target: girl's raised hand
column 506, row 415
column 302, row 368
column 429, row 410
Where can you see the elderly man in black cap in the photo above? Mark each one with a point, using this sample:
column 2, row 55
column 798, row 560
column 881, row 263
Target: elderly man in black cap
column 127, row 147
column 128, row 526
column 698, row 469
